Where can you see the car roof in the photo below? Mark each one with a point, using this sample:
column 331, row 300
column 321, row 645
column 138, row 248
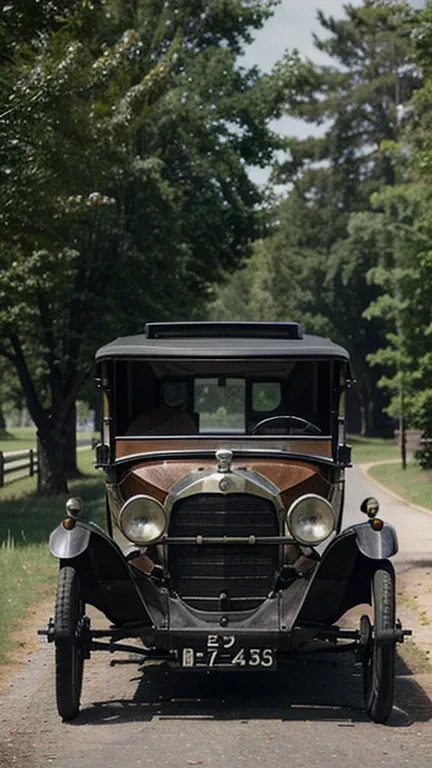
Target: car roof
column 222, row 340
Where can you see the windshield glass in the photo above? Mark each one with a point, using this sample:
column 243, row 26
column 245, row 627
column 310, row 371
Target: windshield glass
column 254, row 398
column 220, row 405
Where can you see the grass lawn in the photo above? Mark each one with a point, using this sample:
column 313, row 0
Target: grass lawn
column 27, row 570
column 413, row 484
column 365, row 449
column 20, row 438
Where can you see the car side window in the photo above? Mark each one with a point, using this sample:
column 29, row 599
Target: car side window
column 266, row 396
column 174, row 394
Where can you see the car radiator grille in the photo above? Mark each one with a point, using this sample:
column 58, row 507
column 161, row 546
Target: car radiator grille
column 245, row 573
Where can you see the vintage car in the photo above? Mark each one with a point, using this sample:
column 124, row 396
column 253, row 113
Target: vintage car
column 224, row 451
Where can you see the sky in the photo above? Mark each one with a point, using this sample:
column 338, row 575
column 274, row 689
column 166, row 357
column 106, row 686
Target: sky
column 291, row 27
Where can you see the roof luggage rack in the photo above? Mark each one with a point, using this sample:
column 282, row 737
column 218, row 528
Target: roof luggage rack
column 234, row 330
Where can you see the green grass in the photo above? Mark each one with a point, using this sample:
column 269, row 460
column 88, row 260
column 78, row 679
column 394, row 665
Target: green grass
column 21, row 438
column 367, row 449
column 413, row 484
column 27, row 570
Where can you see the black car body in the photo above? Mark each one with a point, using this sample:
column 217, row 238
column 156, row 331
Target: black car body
column 225, row 456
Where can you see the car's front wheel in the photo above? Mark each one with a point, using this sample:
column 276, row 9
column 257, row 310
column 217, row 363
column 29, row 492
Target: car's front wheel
column 69, row 651
column 379, row 659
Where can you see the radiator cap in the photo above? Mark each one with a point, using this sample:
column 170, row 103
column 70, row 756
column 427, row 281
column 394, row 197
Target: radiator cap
column 224, row 459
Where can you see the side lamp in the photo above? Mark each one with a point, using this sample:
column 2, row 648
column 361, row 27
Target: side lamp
column 73, row 510
column 370, row 507
column 74, row 506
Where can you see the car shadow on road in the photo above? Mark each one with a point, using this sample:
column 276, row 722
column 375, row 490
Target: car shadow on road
column 319, row 689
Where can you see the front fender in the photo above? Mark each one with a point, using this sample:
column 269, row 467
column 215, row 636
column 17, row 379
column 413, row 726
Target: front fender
column 106, row 579
column 377, row 545
column 343, row 577
column 67, row 544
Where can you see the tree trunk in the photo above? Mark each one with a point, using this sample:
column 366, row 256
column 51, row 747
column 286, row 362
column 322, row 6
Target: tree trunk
column 371, row 405
column 2, row 422
column 51, row 472
column 367, row 410
column 363, row 412
column 49, row 421
column 363, row 419
column 371, row 425
column 70, row 446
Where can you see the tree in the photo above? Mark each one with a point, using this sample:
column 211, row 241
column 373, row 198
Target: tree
column 124, row 192
column 317, row 259
column 11, row 398
column 404, row 271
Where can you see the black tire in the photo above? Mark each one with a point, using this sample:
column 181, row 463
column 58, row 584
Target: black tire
column 69, row 654
column 379, row 660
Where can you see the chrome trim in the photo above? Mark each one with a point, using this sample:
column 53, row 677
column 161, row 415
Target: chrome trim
column 224, row 458
column 66, row 544
column 294, row 506
column 255, row 453
column 131, row 500
column 199, row 541
column 237, row 481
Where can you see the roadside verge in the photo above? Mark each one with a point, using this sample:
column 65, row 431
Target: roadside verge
column 415, row 584
column 365, row 467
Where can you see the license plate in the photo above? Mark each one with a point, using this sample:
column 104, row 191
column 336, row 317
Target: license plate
column 223, row 652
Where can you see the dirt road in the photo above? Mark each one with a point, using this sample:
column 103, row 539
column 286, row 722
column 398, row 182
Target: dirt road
column 303, row 715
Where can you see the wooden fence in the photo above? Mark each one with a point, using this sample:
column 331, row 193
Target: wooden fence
column 12, row 462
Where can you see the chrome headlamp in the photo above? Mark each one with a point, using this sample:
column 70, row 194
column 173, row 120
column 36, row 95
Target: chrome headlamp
column 142, row 520
column 311, row 519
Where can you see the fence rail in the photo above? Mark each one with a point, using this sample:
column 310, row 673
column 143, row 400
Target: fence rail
column 17, row 461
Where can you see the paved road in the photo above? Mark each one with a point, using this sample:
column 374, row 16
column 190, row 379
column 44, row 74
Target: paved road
column 302, row 716
column 414, row 528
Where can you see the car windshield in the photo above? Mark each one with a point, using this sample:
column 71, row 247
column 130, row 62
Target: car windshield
column 220, row 405
column 215, row 398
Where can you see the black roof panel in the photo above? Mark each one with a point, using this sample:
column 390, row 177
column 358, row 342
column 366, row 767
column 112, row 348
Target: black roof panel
column 235, row 330
column 254, row 340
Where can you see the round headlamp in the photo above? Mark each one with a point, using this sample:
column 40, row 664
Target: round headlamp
column 311, row 519
column 142, row 520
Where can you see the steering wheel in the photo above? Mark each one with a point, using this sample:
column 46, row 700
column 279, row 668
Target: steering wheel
column 291, row 425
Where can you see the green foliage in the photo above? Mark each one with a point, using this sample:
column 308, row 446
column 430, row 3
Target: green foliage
column 125, row 134
column 314, row 267
column 404, row 270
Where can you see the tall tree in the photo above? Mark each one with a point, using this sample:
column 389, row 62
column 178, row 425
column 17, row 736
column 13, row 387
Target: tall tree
column 317, row 267
column 404, row 271
column 123, row 185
